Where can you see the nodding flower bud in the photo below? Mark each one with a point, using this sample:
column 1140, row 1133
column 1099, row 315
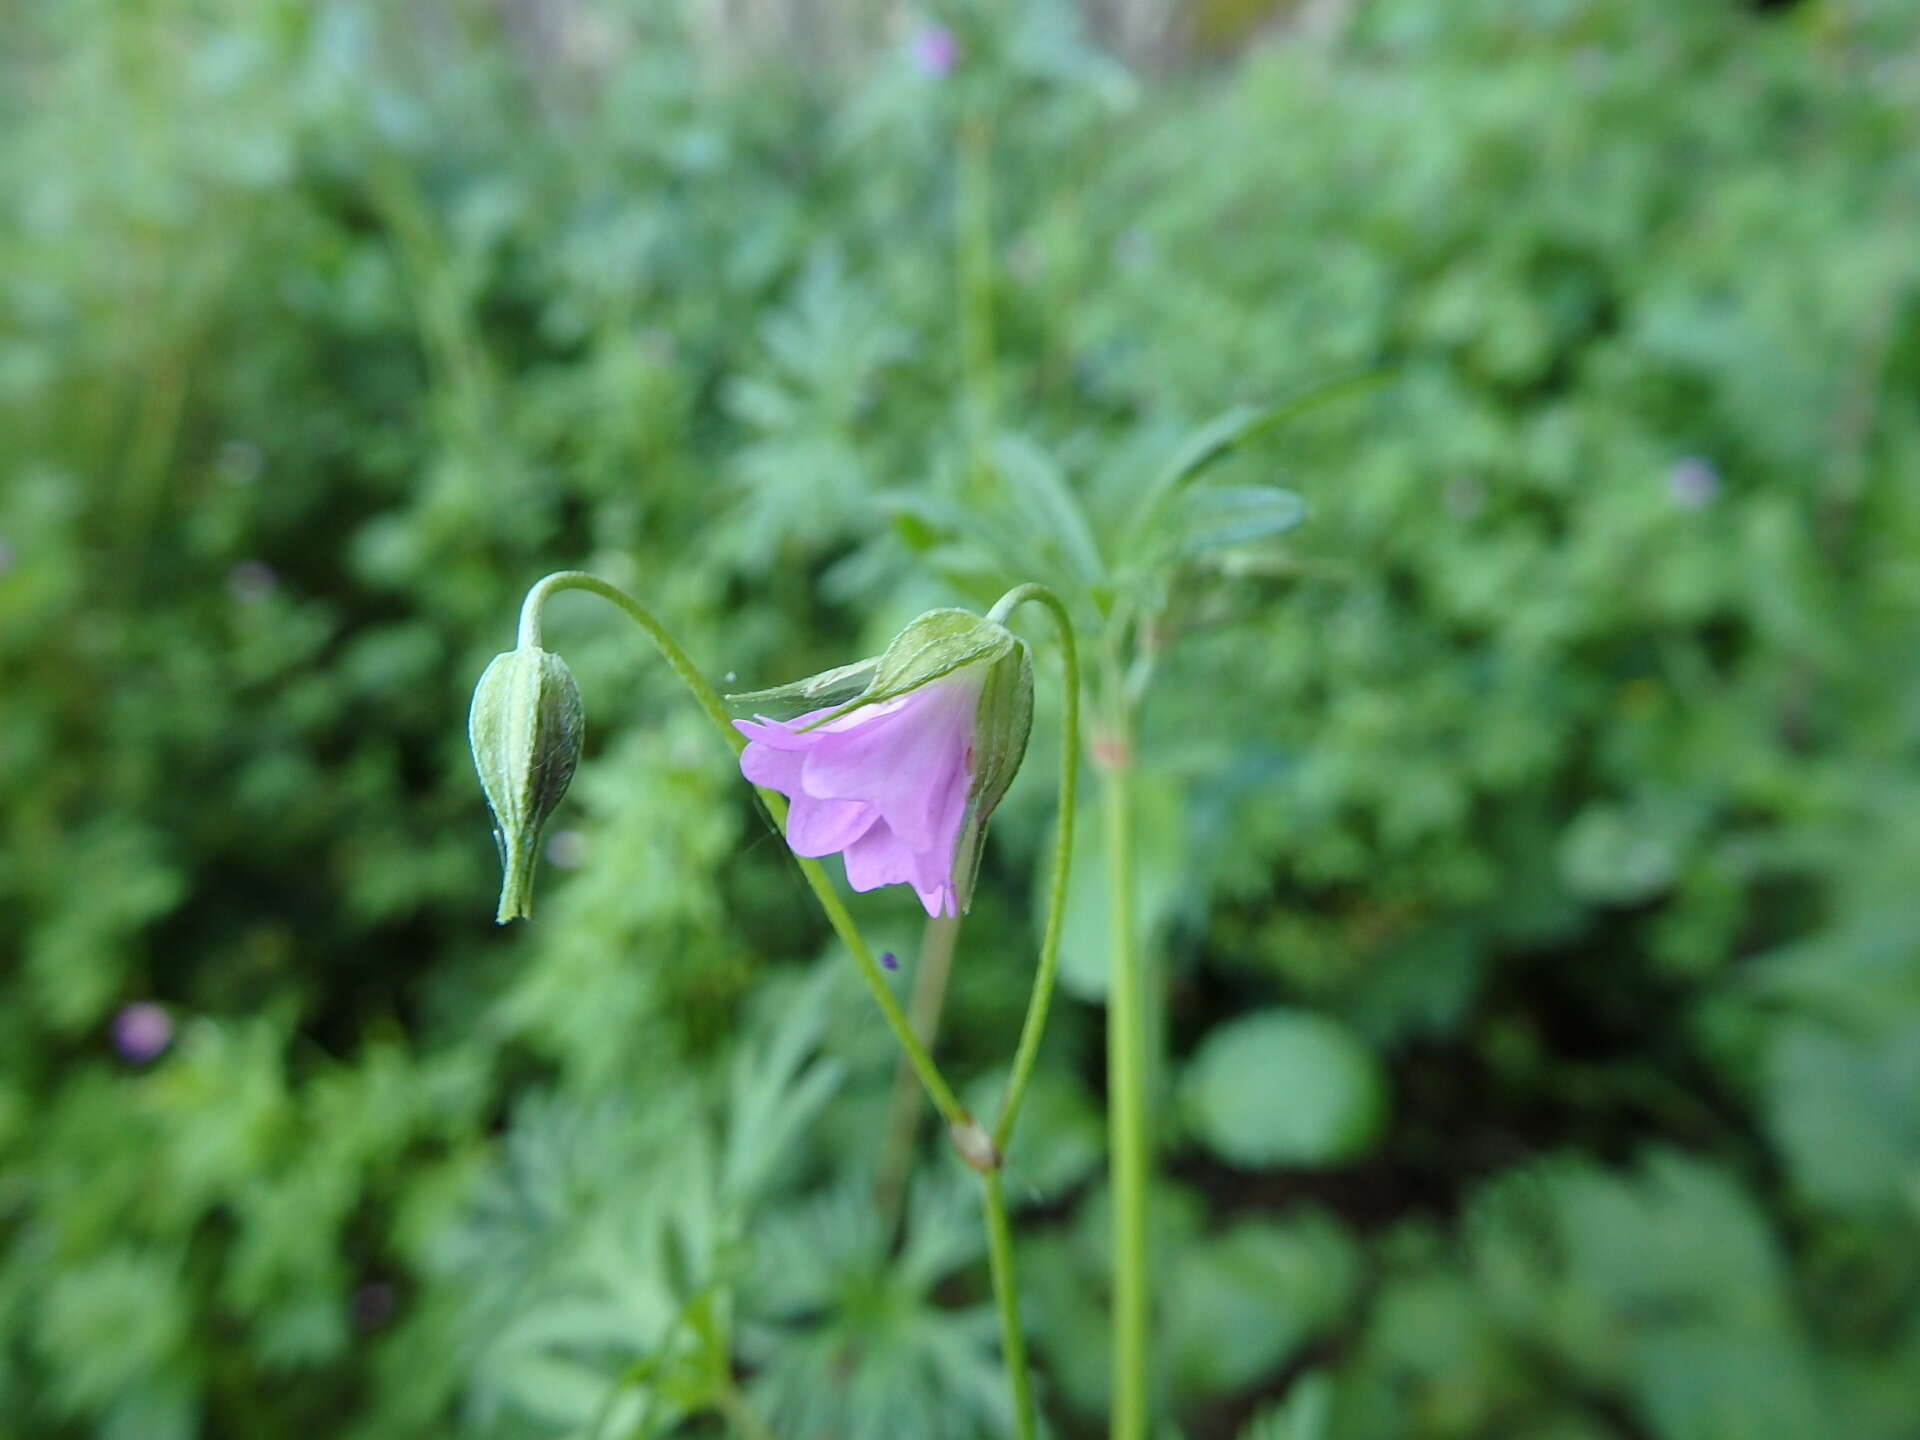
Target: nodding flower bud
column 525, row 728
column 908, row 758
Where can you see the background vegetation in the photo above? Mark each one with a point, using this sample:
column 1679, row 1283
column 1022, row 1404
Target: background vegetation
column 1531, row 835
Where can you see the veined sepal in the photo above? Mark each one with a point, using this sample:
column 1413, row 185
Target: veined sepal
column 525, row 728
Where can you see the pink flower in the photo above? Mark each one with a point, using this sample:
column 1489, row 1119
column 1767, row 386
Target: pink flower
column 1693, row 482
column 142, row 1031
column 886, row 786
column 902, row 773
column 936, row 50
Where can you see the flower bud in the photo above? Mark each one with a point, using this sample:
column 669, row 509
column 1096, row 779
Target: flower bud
column 525, row 728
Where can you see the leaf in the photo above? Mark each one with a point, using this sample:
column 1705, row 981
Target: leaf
column 1207, row 519
column 1306, row 1413
column 1704, row 1383
column 1049, row 507
column 775, row 1092
column 1244, row 1302
column 1613, row 855
column 1842, row 1109
column 1227, row 432
column 1285, row 1087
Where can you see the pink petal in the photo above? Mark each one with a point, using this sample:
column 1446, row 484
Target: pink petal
column 886, row 785
column 824, row 827
column 772, row 767
column 934, row 874
column 779, row 734
column 903, row 761
column 878, row 858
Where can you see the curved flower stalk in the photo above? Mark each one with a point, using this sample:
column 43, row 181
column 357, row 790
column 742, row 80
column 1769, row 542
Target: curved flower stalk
column 897, row 765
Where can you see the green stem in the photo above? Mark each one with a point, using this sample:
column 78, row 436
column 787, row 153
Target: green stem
column 1041, row 996
column 974, row 226
column 745, row 1420
column 1006, row 1294
column 944, row 1100
column 1126, row 1096
column 930, row 975
column 669, row 649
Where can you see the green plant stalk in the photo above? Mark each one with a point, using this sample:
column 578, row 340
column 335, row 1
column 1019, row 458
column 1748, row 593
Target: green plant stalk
column 1006, row 1294
column 1126, row 1096
column 931, row 973
column 745, row 1420
column 974, row 204
column 982, row 1152
column 944, row 1100
column 1040, row 998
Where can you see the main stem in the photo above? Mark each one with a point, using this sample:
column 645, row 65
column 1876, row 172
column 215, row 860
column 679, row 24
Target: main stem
column 1126, row 1094
column 1006, row 1294
column 924, row 1005
column 974, row 226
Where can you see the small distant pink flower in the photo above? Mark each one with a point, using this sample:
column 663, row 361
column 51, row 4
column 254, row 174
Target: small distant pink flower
column 1693, row 482
column 936, row 50
column 885, row 786
column 142, row 1031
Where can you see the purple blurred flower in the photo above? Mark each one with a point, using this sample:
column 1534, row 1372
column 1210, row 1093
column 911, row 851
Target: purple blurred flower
column 142, row 1031
column 1693, row 483
column 251, row 581
column 890, row 960
column 886, row 786
column 935, row 50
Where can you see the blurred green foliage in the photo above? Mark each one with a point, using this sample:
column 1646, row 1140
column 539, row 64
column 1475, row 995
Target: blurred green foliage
column 1529, row 838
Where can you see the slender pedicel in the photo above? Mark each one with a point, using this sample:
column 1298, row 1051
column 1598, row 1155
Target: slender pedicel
column 897, row 763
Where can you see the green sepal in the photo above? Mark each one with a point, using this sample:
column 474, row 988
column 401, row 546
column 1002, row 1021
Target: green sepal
column 525, row 728
column 1001, row 724
column 829, row 687
column 934, row 644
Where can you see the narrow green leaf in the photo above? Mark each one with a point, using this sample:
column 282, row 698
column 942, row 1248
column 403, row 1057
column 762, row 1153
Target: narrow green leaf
column 1050, row 506
column 1227, row 432
column 1236, row 515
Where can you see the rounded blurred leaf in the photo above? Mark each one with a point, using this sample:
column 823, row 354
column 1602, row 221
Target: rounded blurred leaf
column 1285, row 1087
column 1241, row 1303
column 1614, row 858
